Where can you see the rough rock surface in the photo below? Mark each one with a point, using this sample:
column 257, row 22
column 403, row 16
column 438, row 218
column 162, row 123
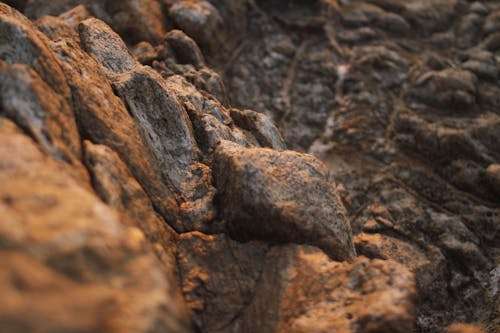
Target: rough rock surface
column 146, row 184
column 280, row 196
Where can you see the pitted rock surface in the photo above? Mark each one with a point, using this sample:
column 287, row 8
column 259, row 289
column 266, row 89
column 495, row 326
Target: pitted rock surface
column 249, row 166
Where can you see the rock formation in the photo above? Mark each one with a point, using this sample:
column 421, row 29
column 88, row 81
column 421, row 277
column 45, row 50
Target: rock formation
column 250, row 166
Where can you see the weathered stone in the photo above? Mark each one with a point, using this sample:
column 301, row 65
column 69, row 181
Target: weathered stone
column 456, row 88
column 170, row 134
column 103, row 118
column 105, row 46
column 41, row 112
column 408, row 126
column 302, row 290
column 365, row 14
column 55, row 28
column 463, row 328
column 219, row 277
column 164, row 122
column 280, row 197
column 492, row 22
column 135, row 20
column 185, row 49
column 75, row 266
column 115, row 185
column 200, row 20
column 260, row 126
column 211, row 120
column 22, row 43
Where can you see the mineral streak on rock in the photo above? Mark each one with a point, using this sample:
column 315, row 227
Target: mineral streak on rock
column 154, row 175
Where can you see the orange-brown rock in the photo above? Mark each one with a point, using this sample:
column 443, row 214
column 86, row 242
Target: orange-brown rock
column 302, row 290
column 70, row 262
column 146, row 185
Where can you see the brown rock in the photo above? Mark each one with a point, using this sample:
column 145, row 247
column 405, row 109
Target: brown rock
column 115, row 185
column 23, row 43
column 164, row 122
column 219, row 277
column 104, row 45
column 91, row 256
column 167, row 125
column 136, row 20
column 302, row 290
column 41, row 112
column 280, row 197
column 200, row 20
column 185, row 49
column 261, row 126
column 103, row 118
column 446, row 88
column 463, row 328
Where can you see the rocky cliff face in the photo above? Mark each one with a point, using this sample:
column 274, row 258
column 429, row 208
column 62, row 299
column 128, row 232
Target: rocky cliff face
column 146, row 184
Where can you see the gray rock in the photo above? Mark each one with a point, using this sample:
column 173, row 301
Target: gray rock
column 41, row 112
column 185, row 49
column 280, row 197
column 103, row 44
column 199, row 20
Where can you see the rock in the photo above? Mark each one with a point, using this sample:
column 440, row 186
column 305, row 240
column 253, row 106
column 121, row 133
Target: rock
column 211, row 120
column 481, row 69
column 427, row 265
column 469, row 29
column 23, row 43
column 367, row 14
column 103, row 118
column 37, row 8
column 456, row 88
column 492, row 42
column 171, row 137
column 492, row 22
column 104, row 45
column 91, row 256
column 116, row 186
column 75, row 15
column 17, row 4
column 210, row 81
column 64, row 25
column 302, row 290
column 136, row 20
column 478, row 8
column 164, row 124
column 463, row 328
column 219, row 277
column 185, row 49
column 362, row 34
column 430, row 16
column 188, row 214
column 493, row 176
column 41, row 112
column 55, row 28
column 199, row 20
column 260, row 126
column 144, row 53
column 263, row 195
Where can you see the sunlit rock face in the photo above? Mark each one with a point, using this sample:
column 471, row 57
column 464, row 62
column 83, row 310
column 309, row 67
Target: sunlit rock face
column 249, row 166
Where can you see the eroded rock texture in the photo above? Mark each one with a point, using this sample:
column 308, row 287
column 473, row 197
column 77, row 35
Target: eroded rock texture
column 157, row 170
